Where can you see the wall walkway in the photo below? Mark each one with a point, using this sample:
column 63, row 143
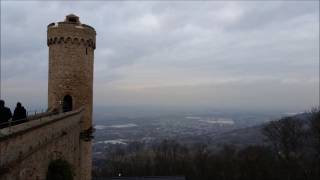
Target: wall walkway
column 27, row 149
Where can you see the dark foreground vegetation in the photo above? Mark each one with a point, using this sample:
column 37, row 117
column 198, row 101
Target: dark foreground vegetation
column 291, row 152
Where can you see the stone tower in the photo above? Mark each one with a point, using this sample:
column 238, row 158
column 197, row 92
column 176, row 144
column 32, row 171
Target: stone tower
column 71, row 55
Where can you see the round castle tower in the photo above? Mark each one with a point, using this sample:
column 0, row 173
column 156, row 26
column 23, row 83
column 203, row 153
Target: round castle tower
column 71, row 52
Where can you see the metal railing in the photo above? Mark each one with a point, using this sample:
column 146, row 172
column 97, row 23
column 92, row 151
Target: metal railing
column 35, row 116
column 31, row 115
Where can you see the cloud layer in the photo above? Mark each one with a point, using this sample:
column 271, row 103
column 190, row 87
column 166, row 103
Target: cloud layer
column 242, row 55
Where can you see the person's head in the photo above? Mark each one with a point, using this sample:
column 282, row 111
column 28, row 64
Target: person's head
column 1, row 103
column 18, row 104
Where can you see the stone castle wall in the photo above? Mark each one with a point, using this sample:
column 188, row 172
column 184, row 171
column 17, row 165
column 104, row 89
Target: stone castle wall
column 27, row 149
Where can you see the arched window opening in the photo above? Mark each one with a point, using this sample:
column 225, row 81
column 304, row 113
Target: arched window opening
column 67, row 103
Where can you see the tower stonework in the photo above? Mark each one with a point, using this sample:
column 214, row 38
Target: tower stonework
column 71, row 57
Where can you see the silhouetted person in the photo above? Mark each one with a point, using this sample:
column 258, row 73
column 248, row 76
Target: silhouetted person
column 5, row 114
column 19, row 114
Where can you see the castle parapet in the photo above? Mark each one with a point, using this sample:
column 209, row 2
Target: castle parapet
column 71, row 40
column 38, row 142
column 71, row 30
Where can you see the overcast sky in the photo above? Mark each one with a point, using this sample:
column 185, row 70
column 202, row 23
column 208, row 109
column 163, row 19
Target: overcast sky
column 227, row 55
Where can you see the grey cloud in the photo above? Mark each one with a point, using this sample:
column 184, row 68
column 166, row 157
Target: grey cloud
column 158, row 44
column 260, row 15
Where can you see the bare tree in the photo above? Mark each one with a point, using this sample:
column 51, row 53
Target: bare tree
column 315, row 130
column 286, row 136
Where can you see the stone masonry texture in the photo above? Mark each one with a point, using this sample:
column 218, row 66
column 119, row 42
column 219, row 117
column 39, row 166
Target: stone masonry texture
column 71, row 56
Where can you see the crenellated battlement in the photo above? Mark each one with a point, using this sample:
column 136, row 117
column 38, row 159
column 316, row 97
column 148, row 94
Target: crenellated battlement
column 72, row 40
column 71, row 31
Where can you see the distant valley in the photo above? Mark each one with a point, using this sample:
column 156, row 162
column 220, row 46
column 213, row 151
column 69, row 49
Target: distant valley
column 213, row 128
